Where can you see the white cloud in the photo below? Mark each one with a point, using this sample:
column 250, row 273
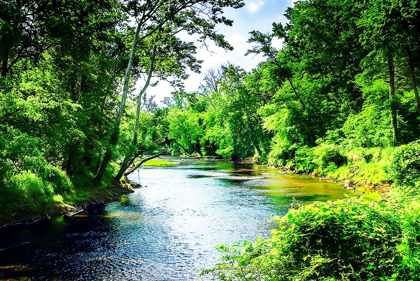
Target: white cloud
column 239, row 42
column 292, row 2
column 254, row 5
column 277, row 43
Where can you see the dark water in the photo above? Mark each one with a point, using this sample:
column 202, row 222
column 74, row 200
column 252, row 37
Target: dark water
column 166, row 230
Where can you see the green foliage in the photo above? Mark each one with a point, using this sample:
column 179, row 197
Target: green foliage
column 363, row 165
column 61, row 182
column 60, row 78
column 329, row 157
column 26, row 189
column 344, row 240
column 405, row 165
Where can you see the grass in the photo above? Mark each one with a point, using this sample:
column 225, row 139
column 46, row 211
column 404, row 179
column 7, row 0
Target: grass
column 155, row 162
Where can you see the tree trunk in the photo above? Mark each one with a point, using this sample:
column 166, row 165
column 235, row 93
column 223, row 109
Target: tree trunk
column 185, row 150
column 4, row 68
column 143, row 161
column 115, row 133
column 98, row 163
column 5, row 64
column 391, row 70
column 124, row 165
column 126, row 161
column 413, row 77
column 70, row 159
column 291, row 84
column 108, row 155
column 260, row 153
column 297, row 94
column 197, row 149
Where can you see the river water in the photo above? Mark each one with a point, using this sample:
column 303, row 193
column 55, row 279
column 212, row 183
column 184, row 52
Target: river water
column 166, row 230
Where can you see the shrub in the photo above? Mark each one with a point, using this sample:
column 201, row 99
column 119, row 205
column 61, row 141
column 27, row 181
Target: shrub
column 342, row 240
column 61, row 182
column 328, row 157
column 304, row 159
column 29, row 190
column 405, row 164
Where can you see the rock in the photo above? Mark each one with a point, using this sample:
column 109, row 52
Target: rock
column 348, row 184
column 72, row 214
column 14, row 246
column 136, row 185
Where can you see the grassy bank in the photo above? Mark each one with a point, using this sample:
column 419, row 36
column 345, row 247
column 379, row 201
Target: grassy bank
column 30, row 196
column 156, row 162
column 369, row 166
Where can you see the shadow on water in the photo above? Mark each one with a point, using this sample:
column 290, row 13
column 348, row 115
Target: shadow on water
column 164, row 231
column 51, row 244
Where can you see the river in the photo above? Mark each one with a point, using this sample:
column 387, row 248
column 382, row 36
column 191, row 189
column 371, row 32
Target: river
column 165, row 230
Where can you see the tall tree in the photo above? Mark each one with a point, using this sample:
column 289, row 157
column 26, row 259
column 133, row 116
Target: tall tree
column 193, row 16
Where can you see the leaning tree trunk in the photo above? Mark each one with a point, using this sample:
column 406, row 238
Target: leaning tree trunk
column 115, row 130
column 126, row 161
column 391, row 70
column 143, row 161
column 413, row 77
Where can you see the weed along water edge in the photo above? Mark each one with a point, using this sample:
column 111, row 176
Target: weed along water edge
column 166, row 230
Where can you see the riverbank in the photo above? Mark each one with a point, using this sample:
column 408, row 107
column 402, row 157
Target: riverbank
column 73, row 204
column 73, row 200
column 375, row 168
column 359, row 238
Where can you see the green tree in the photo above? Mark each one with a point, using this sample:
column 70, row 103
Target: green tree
column 194, row 16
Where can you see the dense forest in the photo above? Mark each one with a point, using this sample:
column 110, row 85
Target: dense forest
column 339, row 100
column 70, row 120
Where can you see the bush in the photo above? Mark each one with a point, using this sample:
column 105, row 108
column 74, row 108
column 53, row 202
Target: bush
column 29, row 190
column 342, row 240
column 405, row 164
column 304, row 160
column 328, row 157
column 61, row 182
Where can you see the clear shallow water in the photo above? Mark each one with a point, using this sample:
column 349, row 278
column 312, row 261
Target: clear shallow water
column 166, row 230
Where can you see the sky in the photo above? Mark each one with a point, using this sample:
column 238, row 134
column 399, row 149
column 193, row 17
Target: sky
column 256, row 15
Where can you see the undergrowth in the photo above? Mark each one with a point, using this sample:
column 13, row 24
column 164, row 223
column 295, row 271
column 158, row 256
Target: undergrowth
column 374, row 165
column 352, row 239
column 37, row 192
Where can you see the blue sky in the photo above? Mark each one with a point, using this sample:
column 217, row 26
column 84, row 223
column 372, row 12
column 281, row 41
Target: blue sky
column 256, row 15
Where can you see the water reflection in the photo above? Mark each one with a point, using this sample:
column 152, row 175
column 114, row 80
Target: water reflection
column 164, row 231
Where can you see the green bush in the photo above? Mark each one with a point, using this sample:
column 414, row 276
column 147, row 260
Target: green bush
column 61, row 182
column 29, row 190
column 342, row 240
column 304, row 160
column 328, row 157
column 405, row 164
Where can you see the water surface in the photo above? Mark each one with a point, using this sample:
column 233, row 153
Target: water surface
column 165, row 230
